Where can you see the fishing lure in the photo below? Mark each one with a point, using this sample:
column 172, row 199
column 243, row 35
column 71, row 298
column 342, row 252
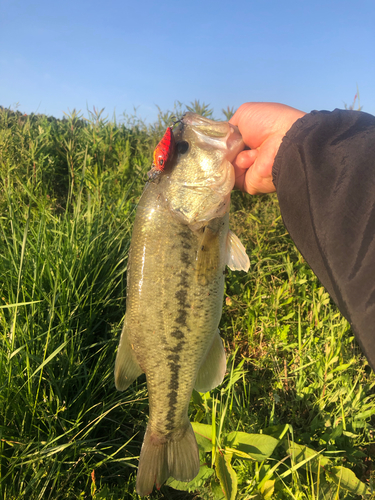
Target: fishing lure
column 164, row 150
column 162, row 153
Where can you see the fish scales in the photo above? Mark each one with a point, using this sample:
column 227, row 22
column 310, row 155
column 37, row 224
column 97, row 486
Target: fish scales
column 181, row 303
column 180, row 246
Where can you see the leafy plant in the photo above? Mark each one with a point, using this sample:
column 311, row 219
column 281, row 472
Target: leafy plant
column 201, row 109
column 68, row 191
column 228, row 113
column 219, row 448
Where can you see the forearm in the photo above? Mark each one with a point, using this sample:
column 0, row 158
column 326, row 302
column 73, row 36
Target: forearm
column 324, row 175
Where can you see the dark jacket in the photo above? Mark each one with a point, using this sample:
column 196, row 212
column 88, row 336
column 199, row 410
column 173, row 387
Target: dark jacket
column 324, row 175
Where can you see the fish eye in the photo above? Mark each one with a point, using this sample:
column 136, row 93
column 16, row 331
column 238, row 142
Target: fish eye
column 182, row 147
column 161, row 161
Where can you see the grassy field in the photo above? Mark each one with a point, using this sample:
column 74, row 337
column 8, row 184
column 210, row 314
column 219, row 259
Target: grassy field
column 295, row 416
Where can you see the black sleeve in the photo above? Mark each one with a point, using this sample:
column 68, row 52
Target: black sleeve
column 324, row 175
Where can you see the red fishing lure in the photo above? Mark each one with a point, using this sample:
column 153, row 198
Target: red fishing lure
column 164, row 150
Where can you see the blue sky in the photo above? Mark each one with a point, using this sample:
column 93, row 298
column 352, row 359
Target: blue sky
column 118, row 55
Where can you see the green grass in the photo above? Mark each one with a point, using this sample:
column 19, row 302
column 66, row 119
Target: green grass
column 68, row 190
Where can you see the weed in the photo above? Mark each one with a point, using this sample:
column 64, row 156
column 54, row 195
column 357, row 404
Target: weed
column 68, row 189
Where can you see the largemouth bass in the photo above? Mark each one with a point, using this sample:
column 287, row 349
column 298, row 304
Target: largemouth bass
column 180, row 246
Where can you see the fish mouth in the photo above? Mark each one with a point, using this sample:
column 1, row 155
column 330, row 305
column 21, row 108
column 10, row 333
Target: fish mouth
column 216, row 134
column 199, row 196
column 205, row 125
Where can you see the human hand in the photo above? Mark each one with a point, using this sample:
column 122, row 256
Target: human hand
column 263, row 126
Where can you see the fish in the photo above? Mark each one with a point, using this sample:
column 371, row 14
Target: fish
column 180, row 245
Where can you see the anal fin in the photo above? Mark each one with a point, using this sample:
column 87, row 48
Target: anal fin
column 213, row 367
column 127, row 368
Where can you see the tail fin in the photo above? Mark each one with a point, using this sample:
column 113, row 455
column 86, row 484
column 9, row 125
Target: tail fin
column 161, row 458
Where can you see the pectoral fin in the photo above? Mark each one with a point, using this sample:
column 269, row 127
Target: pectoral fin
column 127, row 368
column 236, row 256
column 213, row 367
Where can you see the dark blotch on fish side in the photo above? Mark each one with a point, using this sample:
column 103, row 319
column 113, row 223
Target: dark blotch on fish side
column 181, row 296
column 178, row 347
column 173, row 357
column 177, row 334
column 180, row 327
column 184, row 233
column 184, row 279
column 172, row 396
column 182, row 317
column 173, row 384
column 173, row 392
column 185, row 258
column 185, row 245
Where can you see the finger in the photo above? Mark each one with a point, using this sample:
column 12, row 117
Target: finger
column 243, row 161
column 254, row 123
column 254, row 183
column 258, row 120
column 258, row 178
